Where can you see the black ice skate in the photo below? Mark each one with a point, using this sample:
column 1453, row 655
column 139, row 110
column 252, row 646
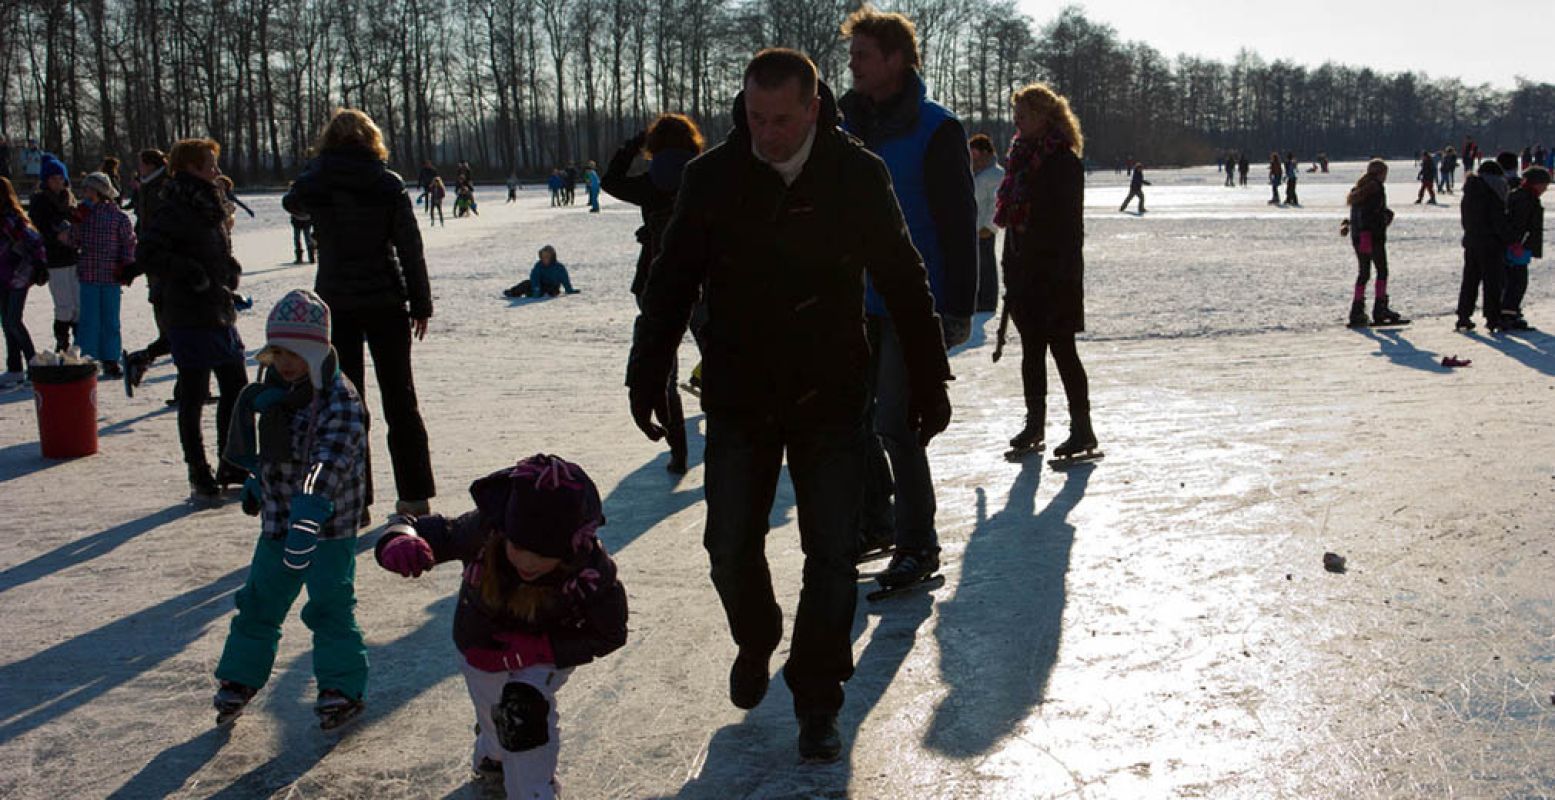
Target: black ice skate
column 1463, row 325
column 1078, row 448
column 204, row 492
column 819, row 741
column 230, row 701
column 1382, row 315
column 1358, row 318
column 908, row 570
column 335, row 709
column 875, row 545
column 1028, row 441
column 135, row 365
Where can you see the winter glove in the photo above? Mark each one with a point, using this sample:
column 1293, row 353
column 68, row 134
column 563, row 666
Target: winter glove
column 267, row 399
column 928, row 411
column 1363, row 243
column 1517, row 255
column 644, row 402
column 406, row 554
column 957, row 330
column 309, row 512
column 251, row 499
column 517, row 650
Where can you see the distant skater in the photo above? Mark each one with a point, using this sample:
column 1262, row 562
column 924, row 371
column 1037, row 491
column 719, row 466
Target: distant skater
column 1136, row 188
column 1276, row 177
column 1427, row 177
column 1368, row 230
column 1291, row 172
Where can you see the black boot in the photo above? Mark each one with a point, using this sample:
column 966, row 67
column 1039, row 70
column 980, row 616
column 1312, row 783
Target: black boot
column 748, row 680
column 818, row 737
column 297, row 258
column 1358, row 314
column 61, row 336
column 1381, row 314
column 908, row 567
column 1081, row 438
column 203, row 488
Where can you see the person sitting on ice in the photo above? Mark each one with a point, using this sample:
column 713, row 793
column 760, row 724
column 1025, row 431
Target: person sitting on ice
column 548, row 278
column 539, row 597
column 301, row 434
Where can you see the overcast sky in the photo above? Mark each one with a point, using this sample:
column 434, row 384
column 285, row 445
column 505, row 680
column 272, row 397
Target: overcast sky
column 1440, row 39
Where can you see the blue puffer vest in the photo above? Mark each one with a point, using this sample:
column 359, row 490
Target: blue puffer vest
column 903, row 156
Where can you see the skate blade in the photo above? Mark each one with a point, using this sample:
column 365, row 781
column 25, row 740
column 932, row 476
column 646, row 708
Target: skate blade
column 1065, row 462
column 875, row 554
column 1395, row 324
column 927, row 584
column 224, row 718
column 331, row 721
column 1017, row 454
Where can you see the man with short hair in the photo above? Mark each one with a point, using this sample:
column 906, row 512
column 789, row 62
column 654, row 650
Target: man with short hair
column 776, row 229
column 986, row 177
column 924, row 147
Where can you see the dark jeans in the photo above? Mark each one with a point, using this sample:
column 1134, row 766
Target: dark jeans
column 194, row 386
column 386, row 332
column 671, row 413
column 908, row 472
column 1482, row 265
column 987, row 275
column 826, row 466
column 1035, row 344
column 1516, row 287
column 18, row 342
column 1133, row 193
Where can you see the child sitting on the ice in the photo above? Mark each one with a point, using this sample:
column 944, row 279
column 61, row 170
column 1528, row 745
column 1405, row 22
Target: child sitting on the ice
column 301, row 433
column 1526, row 214
column 539, row 597
column 548, row 278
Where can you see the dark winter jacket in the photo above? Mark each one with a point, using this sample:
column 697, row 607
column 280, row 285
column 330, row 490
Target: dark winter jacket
column 1044, row 261
column 653, row 191
column 185, row 248
column 364, row 225
column 1369, row 212
column 1526, row 215
column 586, row 620
column 21, row 252
column 1137, row 181
column 783, row 268
column 1427, row 170
column 1483, row 211
column 924, row 147
column 53, row 214
column 148, row 198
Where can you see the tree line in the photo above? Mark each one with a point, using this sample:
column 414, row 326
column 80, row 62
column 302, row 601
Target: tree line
column 520, row 86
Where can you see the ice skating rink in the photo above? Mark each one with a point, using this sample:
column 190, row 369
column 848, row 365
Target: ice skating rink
column 1158, row 625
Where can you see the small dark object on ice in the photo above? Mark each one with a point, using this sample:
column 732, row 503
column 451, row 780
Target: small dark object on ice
column 335, row 709
column 1333, row 562
column 230, row 701
column 1454, row 361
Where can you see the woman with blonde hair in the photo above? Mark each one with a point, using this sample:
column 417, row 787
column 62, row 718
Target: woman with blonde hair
column 1040, row 205
column 373, row 276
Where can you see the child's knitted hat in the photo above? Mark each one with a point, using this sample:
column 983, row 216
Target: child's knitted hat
column 544, row 504
column 100, row 183
column 50, row 165
column 300, row 323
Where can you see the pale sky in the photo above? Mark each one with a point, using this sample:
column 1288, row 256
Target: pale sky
column 1437, row 38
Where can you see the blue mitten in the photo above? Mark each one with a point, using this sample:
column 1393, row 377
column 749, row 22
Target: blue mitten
column 252, row 498
column 308, row 515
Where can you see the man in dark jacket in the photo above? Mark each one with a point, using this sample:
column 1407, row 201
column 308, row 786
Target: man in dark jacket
column 777, row 228
column 924, row 148
column 370, row 267
column 1486, row 235
column 1526, row 215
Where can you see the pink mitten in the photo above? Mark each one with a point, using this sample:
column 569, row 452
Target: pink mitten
column 519, row 650
column 1363, row 243
column 409, row 555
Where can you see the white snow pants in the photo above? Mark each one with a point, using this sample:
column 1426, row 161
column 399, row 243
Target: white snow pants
column 65, row 288
column 531, row 774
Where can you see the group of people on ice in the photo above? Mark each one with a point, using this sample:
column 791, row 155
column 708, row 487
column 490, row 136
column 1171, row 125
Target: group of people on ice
column 563, row 184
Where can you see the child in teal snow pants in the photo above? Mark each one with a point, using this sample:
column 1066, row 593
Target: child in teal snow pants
column 300, row 431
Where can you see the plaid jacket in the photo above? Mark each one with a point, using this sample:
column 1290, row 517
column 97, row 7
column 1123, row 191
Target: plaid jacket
column 329, row 436
column 105, row 239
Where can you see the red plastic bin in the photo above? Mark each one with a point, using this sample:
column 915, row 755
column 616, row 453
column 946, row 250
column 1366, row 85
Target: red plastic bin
column 65, row 397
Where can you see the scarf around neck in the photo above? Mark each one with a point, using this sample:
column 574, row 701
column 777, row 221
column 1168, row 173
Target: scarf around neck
column 1013, row 203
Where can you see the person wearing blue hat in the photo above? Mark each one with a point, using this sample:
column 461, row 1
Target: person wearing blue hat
column 51, row 209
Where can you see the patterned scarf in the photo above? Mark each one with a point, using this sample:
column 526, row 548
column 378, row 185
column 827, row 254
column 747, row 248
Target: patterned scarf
column 1013, row 203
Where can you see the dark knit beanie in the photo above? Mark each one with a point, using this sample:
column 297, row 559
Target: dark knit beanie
column 544, row 504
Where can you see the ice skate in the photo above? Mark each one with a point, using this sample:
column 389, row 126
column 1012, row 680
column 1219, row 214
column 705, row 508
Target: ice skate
column 230, row 701
column 748, row 680
column 908, row 570
column 204, row 492
column 1028, row 441
column 1464, row 325
column 1381, row 314
column 819, row 741
column 875, row 545
column 335, row 709
column 1358, row 318
column 1079, row 447
column 135, row 365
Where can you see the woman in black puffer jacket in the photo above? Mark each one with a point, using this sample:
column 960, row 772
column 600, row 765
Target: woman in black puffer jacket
column 186, row 248
column 370, row 268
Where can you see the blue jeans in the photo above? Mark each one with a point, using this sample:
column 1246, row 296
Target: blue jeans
column 908, row 473
column 18, row 342
column 98, row 334
column 826, row 466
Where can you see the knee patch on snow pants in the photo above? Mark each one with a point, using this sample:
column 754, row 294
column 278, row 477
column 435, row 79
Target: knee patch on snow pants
column 521, row 718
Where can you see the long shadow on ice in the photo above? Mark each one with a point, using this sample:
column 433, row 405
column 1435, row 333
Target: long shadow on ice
column 1394, row 347
column 1532, row 349
column 79, row 551
column 998, row 636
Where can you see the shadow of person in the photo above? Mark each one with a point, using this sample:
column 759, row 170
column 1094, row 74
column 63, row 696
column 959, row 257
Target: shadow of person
column 998, row 635
column 172, row 768
column 80, row 551
column 1530, row 348
column 1394, row 347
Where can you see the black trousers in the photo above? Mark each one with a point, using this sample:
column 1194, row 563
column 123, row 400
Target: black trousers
column 386, row 332
column 1485, row 266
column 1035, row 343
column 1516, row 287
column 987, row 275
column 1133, row 193
column 194, row 386
column 1290, row 191
column 826, row 465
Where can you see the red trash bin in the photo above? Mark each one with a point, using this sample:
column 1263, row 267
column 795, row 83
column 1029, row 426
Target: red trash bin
column 65, row 397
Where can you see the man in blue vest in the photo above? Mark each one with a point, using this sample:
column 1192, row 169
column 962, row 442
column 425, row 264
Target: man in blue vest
column 924, row 148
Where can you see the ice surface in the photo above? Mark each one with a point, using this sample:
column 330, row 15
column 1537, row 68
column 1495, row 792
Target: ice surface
column 1156, row 625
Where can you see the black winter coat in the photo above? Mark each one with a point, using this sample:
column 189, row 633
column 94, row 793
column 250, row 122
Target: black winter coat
column 50, row 214
column 1370, row 213
column 1483, row 212
column 1044, row 262
column 784, row 269
column 1526, row 215
column 582, row 625
column 185, row 247
column 364, row 225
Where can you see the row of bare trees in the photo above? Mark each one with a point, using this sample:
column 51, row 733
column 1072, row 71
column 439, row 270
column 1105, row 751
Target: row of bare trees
column 519, row 86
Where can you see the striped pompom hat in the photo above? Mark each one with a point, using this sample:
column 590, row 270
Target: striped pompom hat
column 300, row 323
